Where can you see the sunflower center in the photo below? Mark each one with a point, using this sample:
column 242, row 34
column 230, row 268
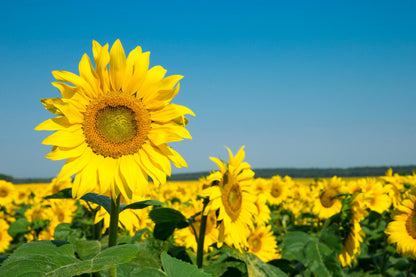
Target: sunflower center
column 327, row 198
column 232, row 200
column 61, row 216
column 255, row 244
column 3, row 192
column 276, row 190
column 116, row 124
column 411, row 224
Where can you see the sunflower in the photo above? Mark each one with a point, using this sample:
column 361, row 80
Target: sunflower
column 262, row 243
column 326, row 204
column 114, row 123
column 375, row 194
column 351, row 244
column 62, row 212
column 7, row 193
column 5, row 238
column 402, row 230
column 262, row 216
column 278, row 189
column 234, row 198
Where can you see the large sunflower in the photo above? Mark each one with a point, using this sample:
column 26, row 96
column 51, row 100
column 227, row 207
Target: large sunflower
column 351, row 244
column 262, row 243
column 402, row 230
column 114, row 123
column 234, row 198
column 326, row 204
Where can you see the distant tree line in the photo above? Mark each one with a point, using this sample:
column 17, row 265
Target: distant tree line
column 268, row 173
column 311, row 172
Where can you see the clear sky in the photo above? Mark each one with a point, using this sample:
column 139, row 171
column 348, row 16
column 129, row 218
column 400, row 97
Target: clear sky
column 299, row 83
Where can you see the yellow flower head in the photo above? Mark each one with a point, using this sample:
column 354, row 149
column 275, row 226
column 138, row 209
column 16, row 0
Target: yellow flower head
column 38, row 212
column 114, row 122
column 262, row 243
column 5, row 238
column 402, row 230
column 375, row 194
column 7, row 193
column 278, row 189
column 234, row 198
column 326, row 204
column 351, row 244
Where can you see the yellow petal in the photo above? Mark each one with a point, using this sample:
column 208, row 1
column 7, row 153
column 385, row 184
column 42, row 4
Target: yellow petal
column 140, row 67
column 157, row 175
column 106, row 174
column 151, row 92
column 88, row 182
column 75, row 165
column 172, row 155
column 53, row 124
column 160, row 134
column 60, row 153
column 66, row 90
column 117, row 65
column 157, row 157
column 65, row 139
column 74, row 79
column 86, row 71
column 220, row 164
column 239, row 157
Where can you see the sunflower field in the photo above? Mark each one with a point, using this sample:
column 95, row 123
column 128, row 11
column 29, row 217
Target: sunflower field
column 112, row 211
column 286, row 227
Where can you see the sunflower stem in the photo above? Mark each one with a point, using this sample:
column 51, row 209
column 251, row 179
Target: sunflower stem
column 113, row 229
column 201, row 237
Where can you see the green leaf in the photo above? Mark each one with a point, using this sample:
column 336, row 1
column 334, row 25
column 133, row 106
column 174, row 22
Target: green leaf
column 64, row 232
column 141, row 205
column 44, row 258
column 317, row 257
column 284, row 265
column 167, row 220
column 147, row 260
column 163, row 230
column 62, row 194
column 295, row 242
column 20, row 226
column 258, row 268
column 162, row 215
column 86, row 249
column 330, row 236
column 177, row 268
column 102, row 200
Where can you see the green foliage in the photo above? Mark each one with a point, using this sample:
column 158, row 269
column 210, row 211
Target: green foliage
column 20, row 226
column 103, row 200
column 317, row 257
column 167, row 220
column 44, row 258
column 178, row 268
column 65, row 232
column 141, row 205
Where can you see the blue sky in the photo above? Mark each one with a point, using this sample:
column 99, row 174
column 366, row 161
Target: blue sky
column 299, row 83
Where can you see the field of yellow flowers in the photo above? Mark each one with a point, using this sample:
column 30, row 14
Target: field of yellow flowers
column 102, row 216
column 298, row 227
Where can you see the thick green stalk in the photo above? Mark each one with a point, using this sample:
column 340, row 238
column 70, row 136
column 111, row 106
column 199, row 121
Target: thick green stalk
column 201, row 237
column 113, row 229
